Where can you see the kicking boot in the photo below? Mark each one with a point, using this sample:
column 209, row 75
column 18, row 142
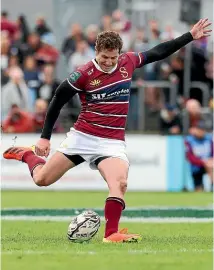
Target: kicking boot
column 16, row 152
column 122, row 237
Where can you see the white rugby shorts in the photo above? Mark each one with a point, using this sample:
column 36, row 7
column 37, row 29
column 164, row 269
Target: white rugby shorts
column 90, row 147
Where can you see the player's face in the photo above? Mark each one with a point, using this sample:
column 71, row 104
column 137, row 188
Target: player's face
column 107, row 59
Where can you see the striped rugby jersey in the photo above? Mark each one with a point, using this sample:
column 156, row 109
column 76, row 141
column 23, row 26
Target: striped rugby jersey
column 105, row 96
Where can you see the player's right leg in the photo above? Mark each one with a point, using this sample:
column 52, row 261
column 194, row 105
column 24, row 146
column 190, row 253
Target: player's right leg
column 115, row 172
column 43, row 173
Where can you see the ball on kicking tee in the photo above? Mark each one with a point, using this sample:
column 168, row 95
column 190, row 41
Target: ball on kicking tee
column 83, row 227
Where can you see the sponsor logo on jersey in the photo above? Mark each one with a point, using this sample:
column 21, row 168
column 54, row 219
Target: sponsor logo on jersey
column 98, row 96
column 74, row 76
column 95, row 82
column 124, row 72
column 122, row 92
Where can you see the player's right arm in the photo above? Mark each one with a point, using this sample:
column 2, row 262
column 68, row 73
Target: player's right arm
column 66, row 90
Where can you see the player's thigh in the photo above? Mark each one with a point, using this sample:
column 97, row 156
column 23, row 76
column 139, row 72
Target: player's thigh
column 54, row 168
column 114, row 170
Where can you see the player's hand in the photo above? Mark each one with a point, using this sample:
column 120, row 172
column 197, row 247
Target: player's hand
column 42, row 148
column 200, row 29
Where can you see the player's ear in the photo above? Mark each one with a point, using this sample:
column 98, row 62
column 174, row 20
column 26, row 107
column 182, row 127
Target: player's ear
column 96, row 51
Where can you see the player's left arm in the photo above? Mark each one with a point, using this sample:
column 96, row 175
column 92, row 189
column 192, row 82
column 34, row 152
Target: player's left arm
column 167, row 48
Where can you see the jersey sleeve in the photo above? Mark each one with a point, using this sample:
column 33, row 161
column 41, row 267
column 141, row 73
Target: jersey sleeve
column 137, row 59
column 167, row 48
column 63, row 94
column 77, row 80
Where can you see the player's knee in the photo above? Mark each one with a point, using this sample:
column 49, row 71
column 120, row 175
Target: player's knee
column 123, row 185
column 40, row 180
column 118, row 184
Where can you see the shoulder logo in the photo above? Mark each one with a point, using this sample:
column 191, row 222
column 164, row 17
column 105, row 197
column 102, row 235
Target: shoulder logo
column 95, row 82
column 124, row 72
column 74, row 76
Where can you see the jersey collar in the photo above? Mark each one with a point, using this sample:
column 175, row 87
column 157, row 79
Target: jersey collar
column 100, row 69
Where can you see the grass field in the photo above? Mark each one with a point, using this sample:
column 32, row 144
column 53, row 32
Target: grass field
column 58, row 199
column 43, row 244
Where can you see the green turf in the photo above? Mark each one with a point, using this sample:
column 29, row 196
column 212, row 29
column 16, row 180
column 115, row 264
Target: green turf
column 51, row 199
column 43, row 245
column 165, row 246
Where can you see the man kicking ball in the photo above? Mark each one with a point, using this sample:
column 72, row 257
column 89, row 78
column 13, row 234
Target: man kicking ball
column 98, row 136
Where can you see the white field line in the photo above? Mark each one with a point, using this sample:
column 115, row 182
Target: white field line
column 91, row 252
column 123, row 219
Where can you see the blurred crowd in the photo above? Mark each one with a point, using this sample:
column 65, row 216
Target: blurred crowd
column 29, row 58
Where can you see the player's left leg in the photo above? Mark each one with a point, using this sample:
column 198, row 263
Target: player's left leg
column 43, row 173
column 115, row 172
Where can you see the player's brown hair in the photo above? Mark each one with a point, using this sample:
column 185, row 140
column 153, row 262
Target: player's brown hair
column 108, row 40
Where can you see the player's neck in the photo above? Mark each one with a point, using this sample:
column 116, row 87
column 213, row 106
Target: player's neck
column 100, row 69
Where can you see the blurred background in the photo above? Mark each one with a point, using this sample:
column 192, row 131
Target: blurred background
column 170, row 121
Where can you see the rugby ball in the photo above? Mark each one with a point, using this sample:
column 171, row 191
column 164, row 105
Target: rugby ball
column 83, row 227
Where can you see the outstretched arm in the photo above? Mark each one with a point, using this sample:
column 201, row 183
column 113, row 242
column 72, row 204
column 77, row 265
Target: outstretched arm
column 165, row 49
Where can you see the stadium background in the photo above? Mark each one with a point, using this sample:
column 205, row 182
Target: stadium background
column 31, row 231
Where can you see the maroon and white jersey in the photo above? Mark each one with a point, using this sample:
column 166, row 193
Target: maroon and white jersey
column 105, row 96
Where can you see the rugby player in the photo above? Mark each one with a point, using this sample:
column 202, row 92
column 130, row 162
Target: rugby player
column 98, row 136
